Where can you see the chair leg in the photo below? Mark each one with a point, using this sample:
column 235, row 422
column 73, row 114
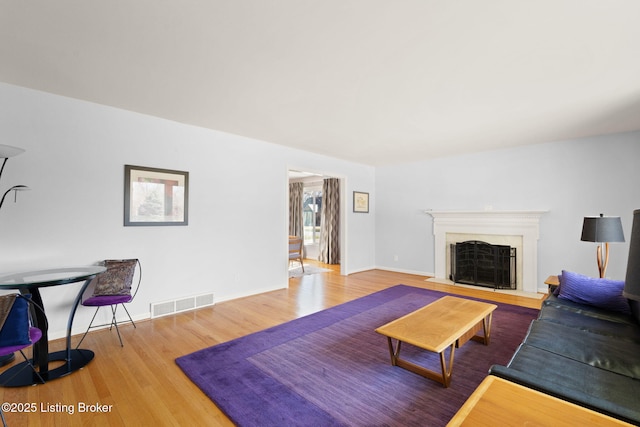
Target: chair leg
column 130, row 319
column 114, row 321
column 87, row 331
column 32, row 367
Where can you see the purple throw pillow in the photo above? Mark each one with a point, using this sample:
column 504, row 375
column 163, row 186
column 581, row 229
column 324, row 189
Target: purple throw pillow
column 601, row 293
column 15, row 330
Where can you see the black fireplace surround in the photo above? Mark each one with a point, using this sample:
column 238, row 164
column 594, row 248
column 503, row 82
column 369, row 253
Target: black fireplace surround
column 482, row 264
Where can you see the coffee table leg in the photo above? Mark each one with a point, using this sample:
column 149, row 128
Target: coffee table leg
column 395, row 353
column 446, row 373
column 486, row 323
column 443, row 378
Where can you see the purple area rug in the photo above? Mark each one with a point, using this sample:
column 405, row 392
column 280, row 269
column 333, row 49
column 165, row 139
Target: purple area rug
column 331, row 369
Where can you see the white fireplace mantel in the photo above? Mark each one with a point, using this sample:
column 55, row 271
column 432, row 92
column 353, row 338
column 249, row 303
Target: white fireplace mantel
column 504, row 223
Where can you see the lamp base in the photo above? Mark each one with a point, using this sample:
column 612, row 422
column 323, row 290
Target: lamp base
column 602, row 264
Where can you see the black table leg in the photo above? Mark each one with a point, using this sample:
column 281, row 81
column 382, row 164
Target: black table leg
column 40, row 348
column 73, row 359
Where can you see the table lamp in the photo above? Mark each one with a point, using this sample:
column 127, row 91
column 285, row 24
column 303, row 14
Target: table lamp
column 15, row 189
column 632, row 280
column 602, row 229
column 7, row 151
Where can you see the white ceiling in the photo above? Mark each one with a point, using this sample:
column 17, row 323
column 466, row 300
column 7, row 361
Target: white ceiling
column 373, row 81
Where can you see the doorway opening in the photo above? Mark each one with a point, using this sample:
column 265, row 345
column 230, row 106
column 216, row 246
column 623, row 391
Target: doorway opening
column 308, row 196
column 311, row 214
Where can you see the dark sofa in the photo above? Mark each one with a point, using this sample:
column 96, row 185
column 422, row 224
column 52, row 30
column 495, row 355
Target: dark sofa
column 582, row 353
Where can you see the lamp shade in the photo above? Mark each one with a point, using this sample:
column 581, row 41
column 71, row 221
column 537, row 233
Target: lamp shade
column 7, row 151
column 632, row 281
column 602, row 229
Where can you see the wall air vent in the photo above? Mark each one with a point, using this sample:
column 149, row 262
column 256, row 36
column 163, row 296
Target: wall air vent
column 179, row 305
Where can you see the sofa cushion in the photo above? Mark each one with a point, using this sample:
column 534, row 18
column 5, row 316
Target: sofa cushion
column 602, row 293
column 580, row 383
column 599, row 351
column 589, row 318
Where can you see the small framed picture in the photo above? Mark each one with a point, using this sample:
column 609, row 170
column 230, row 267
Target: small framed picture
column 360, row 202
column 155, row 196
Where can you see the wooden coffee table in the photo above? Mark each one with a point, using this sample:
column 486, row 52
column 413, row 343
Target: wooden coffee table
column 498, row 402
column 446, row 323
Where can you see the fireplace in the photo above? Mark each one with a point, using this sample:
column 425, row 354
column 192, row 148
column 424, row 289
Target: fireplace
column 514, row 228
column 474, row 262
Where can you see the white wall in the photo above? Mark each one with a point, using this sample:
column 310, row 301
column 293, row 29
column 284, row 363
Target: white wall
column 236, row 240
column 570, row 179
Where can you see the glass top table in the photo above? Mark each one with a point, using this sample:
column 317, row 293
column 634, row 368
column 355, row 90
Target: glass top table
column 30, row 282
column 51, row 277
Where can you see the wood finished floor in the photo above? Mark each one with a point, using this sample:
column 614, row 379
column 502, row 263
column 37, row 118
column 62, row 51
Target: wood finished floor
column 143, row 385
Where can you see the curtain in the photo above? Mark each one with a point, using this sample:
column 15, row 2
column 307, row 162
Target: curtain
column 296, row 190
column 330, row 222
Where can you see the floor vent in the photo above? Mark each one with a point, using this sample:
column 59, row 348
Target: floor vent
column 164, row 308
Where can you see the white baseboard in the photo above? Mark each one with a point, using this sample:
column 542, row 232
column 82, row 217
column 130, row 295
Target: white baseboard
column 248, row 294
column 401, row 270
column 360, row 270
column 79, row 329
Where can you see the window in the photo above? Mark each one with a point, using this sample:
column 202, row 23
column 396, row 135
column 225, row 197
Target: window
column 311, row 208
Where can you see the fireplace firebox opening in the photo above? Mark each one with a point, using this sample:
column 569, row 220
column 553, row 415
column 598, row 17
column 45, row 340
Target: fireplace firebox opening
column 474, row 262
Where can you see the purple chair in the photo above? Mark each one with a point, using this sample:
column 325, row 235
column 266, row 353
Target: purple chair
column 17, row 332
column 113, row 288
